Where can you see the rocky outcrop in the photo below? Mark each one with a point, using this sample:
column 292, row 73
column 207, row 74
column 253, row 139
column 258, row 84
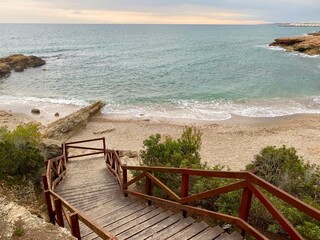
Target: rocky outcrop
column 18, row 63
column 65, row 127
column 305, row 44
column 18, row 223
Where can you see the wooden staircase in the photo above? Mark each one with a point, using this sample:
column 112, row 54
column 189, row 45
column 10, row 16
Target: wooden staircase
column 91, row 188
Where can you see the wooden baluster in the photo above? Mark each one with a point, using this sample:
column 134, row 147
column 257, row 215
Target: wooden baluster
column 184, row 190
column 48, row 198
column 75, row 229
column 104, row 146
column 245, row 206
column 125, row 179
column 148, row 189
column 58, row 207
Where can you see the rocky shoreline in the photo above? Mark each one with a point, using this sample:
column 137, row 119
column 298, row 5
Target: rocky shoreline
column 309, row 44
column 18, row 63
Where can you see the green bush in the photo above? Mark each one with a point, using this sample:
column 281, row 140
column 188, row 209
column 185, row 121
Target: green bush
column 285, row 169
column 183, row 152
column 20, row 157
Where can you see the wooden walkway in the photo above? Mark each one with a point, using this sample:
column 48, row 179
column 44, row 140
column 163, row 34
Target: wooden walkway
column 91, row 188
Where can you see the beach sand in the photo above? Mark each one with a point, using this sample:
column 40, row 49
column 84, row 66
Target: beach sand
column 232, row 142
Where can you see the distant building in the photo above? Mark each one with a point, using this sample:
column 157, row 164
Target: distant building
column 299, row 24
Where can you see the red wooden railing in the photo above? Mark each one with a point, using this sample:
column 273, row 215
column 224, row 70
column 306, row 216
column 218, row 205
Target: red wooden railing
column 58, row 208
column 250, row 184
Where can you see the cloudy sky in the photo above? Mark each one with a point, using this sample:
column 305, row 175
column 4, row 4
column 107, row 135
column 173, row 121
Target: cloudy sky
column 159, row 12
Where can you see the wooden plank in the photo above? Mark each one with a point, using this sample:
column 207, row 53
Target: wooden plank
column 209, row 233
column 223, row 236
column 131, row 217
column 147, row 224
column 173, row 229
column 190, row 231
column 157, row 228
column 106, row 218
column 136, row 221
column 235, row 236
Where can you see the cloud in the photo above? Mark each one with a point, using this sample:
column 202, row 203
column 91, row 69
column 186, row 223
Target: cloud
column 155, row 11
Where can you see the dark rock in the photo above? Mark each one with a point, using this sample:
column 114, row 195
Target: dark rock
column 35, row 111
column 56, row 114
column 19, row 68
column 305, row 44
column 4, row 70
column 18, row 63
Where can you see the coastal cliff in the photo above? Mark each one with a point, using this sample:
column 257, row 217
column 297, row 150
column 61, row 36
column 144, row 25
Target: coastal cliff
column 18, row 63
column 309, row 44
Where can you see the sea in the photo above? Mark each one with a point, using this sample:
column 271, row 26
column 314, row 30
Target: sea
column 194, row 72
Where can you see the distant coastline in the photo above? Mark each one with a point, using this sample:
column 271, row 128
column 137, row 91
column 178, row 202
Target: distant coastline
column 299, row 24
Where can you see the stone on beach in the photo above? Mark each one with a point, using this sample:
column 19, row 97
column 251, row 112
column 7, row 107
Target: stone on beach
column 35, row 111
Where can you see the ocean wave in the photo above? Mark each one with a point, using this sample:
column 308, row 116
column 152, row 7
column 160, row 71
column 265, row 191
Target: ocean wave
column 217, row 110
column 11, row 99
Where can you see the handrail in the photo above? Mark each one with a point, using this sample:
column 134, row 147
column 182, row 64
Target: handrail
column 70, row 145
column 248, row 182
column 58, row 207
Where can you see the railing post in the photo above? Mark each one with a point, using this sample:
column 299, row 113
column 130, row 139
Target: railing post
column 65, row 152
column 148, row 189
column 104, row 146
column 58, row 207
column 75, row 229
column 245, row 206
column 125, row 178
column 184, row 190
column 48, row 198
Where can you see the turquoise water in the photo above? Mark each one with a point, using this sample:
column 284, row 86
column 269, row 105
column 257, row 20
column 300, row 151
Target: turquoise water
column 176, row 71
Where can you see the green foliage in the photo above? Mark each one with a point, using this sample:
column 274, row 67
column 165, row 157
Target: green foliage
column 167, row 152
column 20, row 157
column 285, row 169
column 18, row 232
column 183, row 152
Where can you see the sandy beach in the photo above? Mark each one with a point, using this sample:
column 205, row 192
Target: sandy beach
column 232, row 142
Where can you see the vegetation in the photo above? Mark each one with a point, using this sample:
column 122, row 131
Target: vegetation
column 285, row 169
column 18, row 232
column 279, row 166
column 181, row 153
column 20, row 157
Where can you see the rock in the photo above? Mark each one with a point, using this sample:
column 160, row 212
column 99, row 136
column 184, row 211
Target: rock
column 56, row 114
column 50, row 148
column 129, row 154
column 35, row 111
column 18, row 63
column 4, row 70
column 314, row 34
column 5, row 114
column 305, row 44
column 64, row 128
column 19, row 68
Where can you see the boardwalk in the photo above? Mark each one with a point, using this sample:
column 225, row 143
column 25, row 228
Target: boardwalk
column 91, row 188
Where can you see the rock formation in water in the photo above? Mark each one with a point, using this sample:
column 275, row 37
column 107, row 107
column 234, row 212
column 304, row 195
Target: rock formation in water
column 65, row 127
column 18, row 63
column 305, row 44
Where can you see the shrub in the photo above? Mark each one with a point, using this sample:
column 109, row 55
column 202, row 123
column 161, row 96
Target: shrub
column 285, row 169
column 20, row 157
column 181, row 153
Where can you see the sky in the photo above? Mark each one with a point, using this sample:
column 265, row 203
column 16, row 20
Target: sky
column 159, row 12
